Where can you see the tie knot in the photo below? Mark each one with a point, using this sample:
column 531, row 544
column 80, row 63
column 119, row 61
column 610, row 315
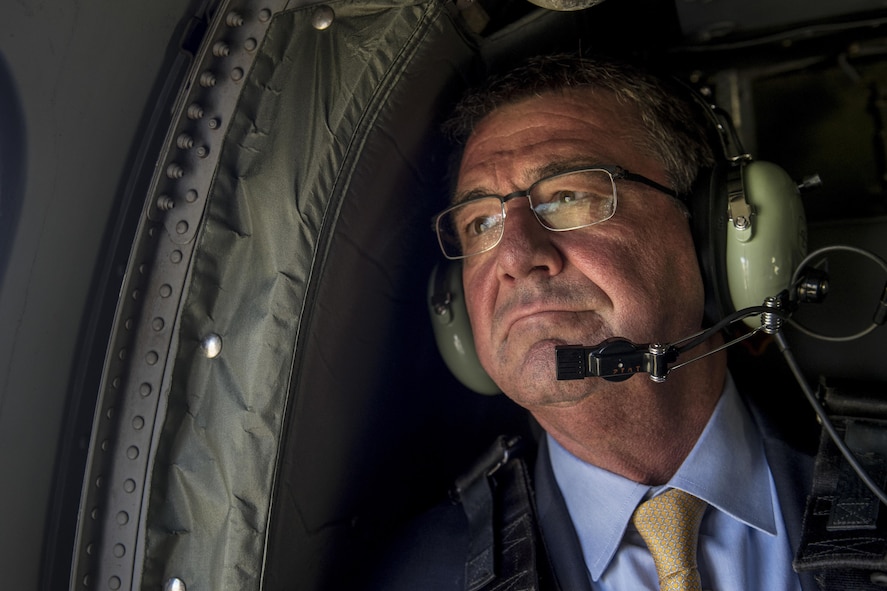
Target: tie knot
column 669, row 524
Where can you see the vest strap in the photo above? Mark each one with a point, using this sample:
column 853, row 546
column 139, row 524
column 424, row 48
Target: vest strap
column 505, row 548
column 844, row 540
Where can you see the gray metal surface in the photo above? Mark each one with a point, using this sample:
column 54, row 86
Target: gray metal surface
column 84, row 72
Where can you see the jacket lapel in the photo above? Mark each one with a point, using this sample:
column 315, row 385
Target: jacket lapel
column 558, row 534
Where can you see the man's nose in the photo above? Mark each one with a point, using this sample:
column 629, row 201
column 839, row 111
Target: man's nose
column 526, row 245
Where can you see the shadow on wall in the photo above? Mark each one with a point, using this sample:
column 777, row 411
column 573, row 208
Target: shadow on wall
column 12, row 163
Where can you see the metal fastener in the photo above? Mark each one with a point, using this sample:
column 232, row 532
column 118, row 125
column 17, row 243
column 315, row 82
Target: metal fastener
column 211, row 345
column 323, row 17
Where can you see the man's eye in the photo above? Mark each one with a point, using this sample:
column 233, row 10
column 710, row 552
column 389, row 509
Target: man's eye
column 568, row 196
column 480, row 224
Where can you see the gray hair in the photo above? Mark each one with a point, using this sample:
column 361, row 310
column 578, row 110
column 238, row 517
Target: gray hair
column 673, row 133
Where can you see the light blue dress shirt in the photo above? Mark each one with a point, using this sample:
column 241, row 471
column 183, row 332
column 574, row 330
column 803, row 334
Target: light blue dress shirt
column 743, row 544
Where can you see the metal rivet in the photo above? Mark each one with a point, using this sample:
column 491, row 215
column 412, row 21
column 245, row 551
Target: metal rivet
column 152, row 358
column 176, row 256
column 182, row 227
column 119, row 550
column 234, row 19
column 129, row 485
column 132, row 452
column 211, row 345
column 138, row 423
column 195, row 111
column 114, row 583
column 323, row 17
column 202, row 151
column 221, row 49
column 207, row 79
column 165, row 290
column 237, row 74
column 214, row 123
column 157, row 324
column 174, row 171
column 165, row 203
column 264, row 15
column 185, row 141
column 145, row 390
column 191, row 196
column 174, row 584
column 123, row 518
column 250, row 44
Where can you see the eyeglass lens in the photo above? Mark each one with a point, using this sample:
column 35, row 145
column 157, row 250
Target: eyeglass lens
column 562, row 202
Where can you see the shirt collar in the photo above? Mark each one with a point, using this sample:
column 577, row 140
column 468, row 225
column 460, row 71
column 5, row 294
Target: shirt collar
column 601, row 503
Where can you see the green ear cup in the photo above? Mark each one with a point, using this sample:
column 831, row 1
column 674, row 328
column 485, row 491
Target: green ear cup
column 760, row 259
column 452, row 329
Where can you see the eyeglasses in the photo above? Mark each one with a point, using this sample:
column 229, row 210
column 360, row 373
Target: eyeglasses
column 566, row 201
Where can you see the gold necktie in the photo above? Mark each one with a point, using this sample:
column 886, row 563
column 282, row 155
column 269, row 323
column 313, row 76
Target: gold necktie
column 669, row 524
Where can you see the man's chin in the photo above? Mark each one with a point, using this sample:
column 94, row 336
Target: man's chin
column 550, row 395
column 533, row 381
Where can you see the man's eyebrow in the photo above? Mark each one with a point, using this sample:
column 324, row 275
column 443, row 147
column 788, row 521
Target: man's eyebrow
column 551, row 168
column 558, row 166
column 469, row 195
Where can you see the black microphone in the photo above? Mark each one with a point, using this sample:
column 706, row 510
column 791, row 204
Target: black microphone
column 615, row 360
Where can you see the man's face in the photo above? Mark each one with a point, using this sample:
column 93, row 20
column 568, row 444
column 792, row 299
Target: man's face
column 634, row 276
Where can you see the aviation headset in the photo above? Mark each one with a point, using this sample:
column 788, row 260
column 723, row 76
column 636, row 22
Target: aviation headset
column 748, row 226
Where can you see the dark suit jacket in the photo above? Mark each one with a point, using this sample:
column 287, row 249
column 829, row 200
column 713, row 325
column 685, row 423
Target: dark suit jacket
column 431, row 556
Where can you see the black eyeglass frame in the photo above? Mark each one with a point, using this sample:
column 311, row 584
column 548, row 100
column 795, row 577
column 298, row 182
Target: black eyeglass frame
column 616, row 172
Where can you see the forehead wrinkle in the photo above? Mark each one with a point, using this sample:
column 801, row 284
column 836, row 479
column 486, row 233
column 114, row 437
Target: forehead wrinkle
column 519, row 143
column 554, row 166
